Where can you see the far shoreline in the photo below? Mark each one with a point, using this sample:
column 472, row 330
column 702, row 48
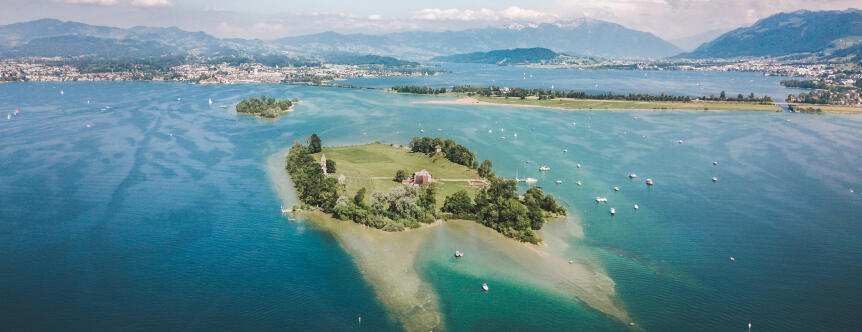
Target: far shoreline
column 583, row 104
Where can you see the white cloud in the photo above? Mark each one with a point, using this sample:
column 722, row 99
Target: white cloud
column 513, row 13
column 267, row 27
column 375, row 17
column 215, row 9
column 90, row 2
column 152, row 3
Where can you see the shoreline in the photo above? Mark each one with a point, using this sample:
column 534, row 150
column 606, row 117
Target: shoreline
column 390, row 261
column 464, row 100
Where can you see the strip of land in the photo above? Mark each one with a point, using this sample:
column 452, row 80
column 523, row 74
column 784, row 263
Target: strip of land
column 593, row 104
column 836, row 109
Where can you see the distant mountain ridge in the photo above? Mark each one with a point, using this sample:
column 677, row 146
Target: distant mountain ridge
column 785, row 34
column 503, row 57
column 586, row 38
column 51, row 37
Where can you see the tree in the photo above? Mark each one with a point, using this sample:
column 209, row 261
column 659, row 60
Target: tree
column 485, row 169
column 330, row 166
column 458, row 204
column 427, row 200
column 400, row 175
column 359, row 199
column 723, row 95
column 314, row 144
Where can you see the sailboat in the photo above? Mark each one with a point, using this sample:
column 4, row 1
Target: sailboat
column 211, row 101
column 62, row 93
column 9, row 116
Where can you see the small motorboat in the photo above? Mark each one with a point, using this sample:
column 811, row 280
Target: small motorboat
column 579, row 165
column 616, row 188
column 544, row 168
column 516, row 135
column 649, row 182
column 211, row 101
column 458, row 254
column 88, row 125
column 9, row 116
column 632, row 176
column 714, row 179
column 636, row 207
column 531, row 180
column 490, row 131
column 565, row 150
column 715, row 163
column 578, row 183
column 421, row 130
column 62, row 93
column 484, row 287
column 179, row 99
column 283, row 209
column 679, row 141
column 559, row 181
column 732, row 259
column 613, row 211
column 601, row 200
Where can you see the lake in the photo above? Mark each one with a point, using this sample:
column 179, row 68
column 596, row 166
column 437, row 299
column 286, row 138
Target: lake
column 159, row 214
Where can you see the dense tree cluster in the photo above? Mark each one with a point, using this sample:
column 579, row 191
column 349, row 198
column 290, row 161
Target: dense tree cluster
column 452, row 151
column 264, row 107
column 751, row 98
column 805, row 84
column 420, row 90
column 312, row 186
column 498, row 206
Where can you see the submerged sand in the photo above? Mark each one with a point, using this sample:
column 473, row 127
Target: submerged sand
column 388, row 261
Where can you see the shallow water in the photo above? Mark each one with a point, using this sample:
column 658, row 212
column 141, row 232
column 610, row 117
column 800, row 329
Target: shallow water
column 124, row 226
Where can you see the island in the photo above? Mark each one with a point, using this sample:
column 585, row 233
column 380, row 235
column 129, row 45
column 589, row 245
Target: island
column 265, row 107
column 393, row 188
column 578, row 100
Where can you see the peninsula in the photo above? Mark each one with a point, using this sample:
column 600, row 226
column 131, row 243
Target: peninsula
column 574, row 100
column 265, row 107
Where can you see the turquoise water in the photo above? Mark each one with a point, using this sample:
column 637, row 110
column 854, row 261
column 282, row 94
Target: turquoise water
column 160, row 214
column 690, row 83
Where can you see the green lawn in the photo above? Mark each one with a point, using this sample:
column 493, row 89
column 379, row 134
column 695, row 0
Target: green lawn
column 568, row 103
column 360, row 164
column 838, row 109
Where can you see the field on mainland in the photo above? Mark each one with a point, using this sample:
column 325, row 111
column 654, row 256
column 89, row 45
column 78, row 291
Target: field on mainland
column 836, row 109
column 596, row 104
column 373, row 166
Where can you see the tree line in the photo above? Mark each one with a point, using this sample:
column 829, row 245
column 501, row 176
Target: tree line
column 264, row 107
column 419, row 90
column 452, row 151
column 542, row 94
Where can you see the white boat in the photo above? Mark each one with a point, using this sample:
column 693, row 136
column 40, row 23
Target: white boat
column 502, row 137
column 283, row 210
column 715, row 163
column 636, row 207
column 679, row 141
column 544, row 168
column 89, row 125
column 613, row 211
column 579, row 183
column 601, row 200
column 88, row 102
column 211, row 101
column 516, row 135
column 421, row 130
column 502, row 130
column 223, row 106
column 649, row 182
column 531, row 180
column 179, row 99
column 565, row 150
column 490, row 131
column 62, row 93
column 9, row 116
column 559, row 181
column 579, row 165
column 107, row 107
column 459, row 254
column 714, row 179
column 616, row 188
column 632, row 176
column 484, row 287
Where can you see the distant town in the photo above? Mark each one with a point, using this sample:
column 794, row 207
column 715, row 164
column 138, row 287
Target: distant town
column 57, row 70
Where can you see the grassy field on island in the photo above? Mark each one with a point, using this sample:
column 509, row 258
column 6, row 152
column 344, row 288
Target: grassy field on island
column 568, row 103
column 373, row 166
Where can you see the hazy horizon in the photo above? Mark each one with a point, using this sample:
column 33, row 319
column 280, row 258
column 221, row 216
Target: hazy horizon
column 269, row 19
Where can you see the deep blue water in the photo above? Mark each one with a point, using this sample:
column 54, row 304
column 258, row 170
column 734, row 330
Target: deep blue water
column 160, row 214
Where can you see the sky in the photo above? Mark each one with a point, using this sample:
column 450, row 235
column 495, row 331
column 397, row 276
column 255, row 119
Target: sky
column 270, row 19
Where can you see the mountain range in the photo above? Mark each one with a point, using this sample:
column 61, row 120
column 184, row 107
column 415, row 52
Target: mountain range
column 584, row 37
column 50, row 37
column 787, row 33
